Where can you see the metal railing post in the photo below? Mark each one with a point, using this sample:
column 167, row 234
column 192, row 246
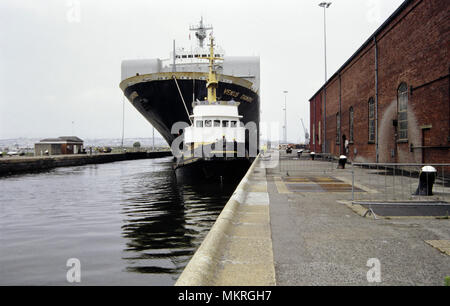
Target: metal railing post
column 393, row 183
column 353, row 183
column 385, row 182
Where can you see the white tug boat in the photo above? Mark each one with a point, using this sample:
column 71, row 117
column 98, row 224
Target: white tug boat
column 214, row 146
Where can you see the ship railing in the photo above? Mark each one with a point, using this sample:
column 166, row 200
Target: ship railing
column 218, row 149
column 231, row 102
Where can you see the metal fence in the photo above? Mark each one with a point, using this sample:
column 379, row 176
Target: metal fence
column 302, row 162
column 375, row 182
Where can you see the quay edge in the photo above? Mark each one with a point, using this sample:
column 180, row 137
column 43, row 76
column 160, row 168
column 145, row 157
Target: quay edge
column 17, row 165
column 216, row 262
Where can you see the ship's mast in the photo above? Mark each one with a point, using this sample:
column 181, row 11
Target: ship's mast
column 212, row 82
column 200, row 31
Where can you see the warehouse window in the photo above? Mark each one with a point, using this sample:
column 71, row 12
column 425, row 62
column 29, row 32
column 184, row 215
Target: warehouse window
column 338, row 128
column 402, row 112
column 350, row 124
column 371, row 120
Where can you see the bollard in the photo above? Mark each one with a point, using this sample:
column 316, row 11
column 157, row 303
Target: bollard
column 342, row 161
column 427, row 177
column 299, row 153
column 312, row 154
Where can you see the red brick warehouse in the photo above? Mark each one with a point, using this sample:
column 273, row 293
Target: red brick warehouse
column 390, row 100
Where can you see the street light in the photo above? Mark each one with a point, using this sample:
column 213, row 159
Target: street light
column 285, row 117
column 325, row 5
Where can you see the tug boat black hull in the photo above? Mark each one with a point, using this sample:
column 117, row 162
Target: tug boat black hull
column 218, row 170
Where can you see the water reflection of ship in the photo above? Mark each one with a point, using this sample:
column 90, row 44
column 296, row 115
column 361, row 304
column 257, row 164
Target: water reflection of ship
column 166, row 222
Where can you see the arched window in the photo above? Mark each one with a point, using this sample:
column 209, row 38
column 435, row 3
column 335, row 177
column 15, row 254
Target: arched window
column 338, row 128
column 402, row 112
column 371, row 120
column 350, row 124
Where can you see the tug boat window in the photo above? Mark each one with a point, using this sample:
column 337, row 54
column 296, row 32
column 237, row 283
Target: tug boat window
column 225, row 123
column 233, row 124
column 216, row 123
column 199, row 123
column 208, row 123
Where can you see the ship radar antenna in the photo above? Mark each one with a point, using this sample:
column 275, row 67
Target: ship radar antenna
column 200, row 31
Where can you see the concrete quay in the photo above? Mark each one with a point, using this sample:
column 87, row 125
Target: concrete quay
column 238, row 249
column 23, row 164
column 298, row 227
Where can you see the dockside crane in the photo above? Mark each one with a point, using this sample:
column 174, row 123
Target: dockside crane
column 306, row 132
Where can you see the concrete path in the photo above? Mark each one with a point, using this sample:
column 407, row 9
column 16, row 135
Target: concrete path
column 247, row 258
column 292, row 224
column 317, row 240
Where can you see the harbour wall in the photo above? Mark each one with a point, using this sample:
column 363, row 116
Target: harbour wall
column 238, row 249
column 13, row 165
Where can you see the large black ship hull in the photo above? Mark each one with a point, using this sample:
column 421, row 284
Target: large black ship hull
column 160, row 102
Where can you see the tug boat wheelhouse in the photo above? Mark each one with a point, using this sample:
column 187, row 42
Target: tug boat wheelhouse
column 214, row 146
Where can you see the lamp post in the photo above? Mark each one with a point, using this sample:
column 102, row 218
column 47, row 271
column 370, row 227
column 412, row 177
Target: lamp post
column 285, row 116
column 325, row 5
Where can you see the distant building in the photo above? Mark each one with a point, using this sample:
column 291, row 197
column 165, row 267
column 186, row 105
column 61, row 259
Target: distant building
column 60, row 145
column 389, row 102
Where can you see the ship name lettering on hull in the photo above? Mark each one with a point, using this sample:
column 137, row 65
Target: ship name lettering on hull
column 246, row 98
column 230, row 92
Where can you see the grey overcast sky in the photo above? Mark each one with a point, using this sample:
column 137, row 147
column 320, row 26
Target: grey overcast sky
column 60, row 59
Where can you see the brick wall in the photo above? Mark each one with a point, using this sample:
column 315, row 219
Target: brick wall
column 412, row 48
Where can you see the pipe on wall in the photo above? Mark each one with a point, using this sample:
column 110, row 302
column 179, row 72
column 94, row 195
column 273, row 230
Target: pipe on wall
column 340, row 115
column 324, row 143
column 376, row 97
